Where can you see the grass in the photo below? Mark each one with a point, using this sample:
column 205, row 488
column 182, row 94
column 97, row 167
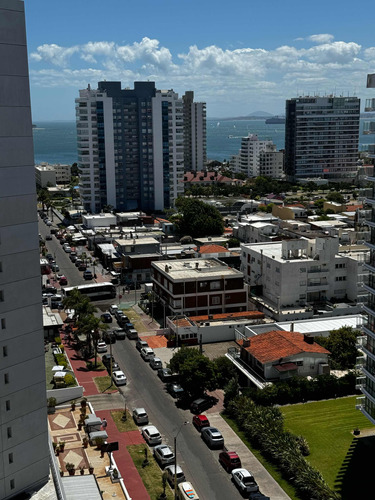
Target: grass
column 287, row 487
column 151, row 474
column 103, row 383
column 327, row 426
column 122, row 426
column 136, row 320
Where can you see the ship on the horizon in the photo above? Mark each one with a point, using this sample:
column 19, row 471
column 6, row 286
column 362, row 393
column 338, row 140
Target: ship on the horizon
column 275, row 119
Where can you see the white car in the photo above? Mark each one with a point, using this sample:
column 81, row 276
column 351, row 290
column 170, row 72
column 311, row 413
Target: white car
column 180, row 476
column 156, row 363
column 244, row 481
column 113, row 309
column 147, row 353
column 101, row 347
column 119, row 377
column 151, row 435
column 140, row 416
column 163, row 455
column 67, row 249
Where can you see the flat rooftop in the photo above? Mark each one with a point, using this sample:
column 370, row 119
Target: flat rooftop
column 195, row 268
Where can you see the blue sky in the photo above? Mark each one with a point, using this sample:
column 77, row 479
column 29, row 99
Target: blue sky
column 239, row 57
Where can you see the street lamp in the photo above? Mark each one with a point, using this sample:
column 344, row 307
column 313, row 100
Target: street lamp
column 175, row 458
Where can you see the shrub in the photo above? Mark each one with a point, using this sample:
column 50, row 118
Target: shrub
column 70, row 381
column 58, row 340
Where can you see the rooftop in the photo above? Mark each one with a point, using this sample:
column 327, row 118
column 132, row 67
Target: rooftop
column 272, row 346
column 196, row 268
column 213, row 249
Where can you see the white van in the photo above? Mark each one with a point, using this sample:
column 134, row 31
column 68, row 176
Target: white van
column 186, row 491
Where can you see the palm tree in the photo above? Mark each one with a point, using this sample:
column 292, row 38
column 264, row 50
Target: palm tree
column 90, row 325
column 43, row 197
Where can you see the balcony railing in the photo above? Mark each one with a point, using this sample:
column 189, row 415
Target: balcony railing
column 359, row 383
column 361, row 341
column 359, row 362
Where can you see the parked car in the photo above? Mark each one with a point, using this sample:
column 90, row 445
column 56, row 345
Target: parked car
column 140, row 344
column 49, row 257
column 169, row 471
column 212, row 437
column 200, row 421
column 128, row 325
column 101, row 347
column 175, row 390
column 115, row 367
column 119, row 377
column 156, row 363
column 78, row 262
column 201, row 404
column 132, row 334
column 230, row 460
column 105, row 317
column 113, row 309
column 147, row 353
column 166, row 375
column 244, row 481
column 118, row 314
column 106, row 359
column 49, row 237
column 63, row 281
column 62, row 241
column 151, row 435
column 109, row 337
column 87, row 274
column 67, row 249
column 55, row 268
column 119, row 333
column 82, row 267
column 163, row 455
column 140, row 416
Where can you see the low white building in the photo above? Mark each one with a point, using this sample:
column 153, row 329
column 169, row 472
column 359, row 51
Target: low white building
column 45, row 176
column 99, row 220
column 294, row 273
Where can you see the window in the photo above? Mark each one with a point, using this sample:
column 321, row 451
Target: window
column 9, row 432
column 302, row 269
column 302, row 283
column 202, row 284
column 1, row 267
column 10, row 458
column 215, row 301
column 6, row 378
column 215, row 285
column 7, row 405
column 5, row 351
column 299, row 363
column 3, row 324
column 12, row 484
column 277, row 269
column 1, row 296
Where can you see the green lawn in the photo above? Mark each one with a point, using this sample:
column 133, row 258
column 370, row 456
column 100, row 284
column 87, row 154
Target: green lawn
column 103, row 384
column 151, row 474
column 123, row 426
column 335, row 452
column 136, row 320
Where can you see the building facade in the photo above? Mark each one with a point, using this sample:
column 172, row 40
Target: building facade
column 294, row 273
column 258, row 157
column 321, row 138
column 24, row 452
column 366, row 343
column 195, row 157
column 198, row 286
column 132, row 145
column 45, row 176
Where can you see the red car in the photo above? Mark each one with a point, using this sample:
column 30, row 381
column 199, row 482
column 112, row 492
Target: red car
column 63, row 281
column 229, row 460
column 200, row 421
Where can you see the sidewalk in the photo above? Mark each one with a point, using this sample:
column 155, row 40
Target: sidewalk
column 127, row 469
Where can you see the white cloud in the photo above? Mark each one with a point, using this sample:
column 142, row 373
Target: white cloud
column 216, row 74
column 322, row 38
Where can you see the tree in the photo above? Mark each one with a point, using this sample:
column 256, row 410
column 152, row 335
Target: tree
column 341, row 343
column 90, row 326
column 198, row 218
column 43, row 197
column 233, row 242
column 336, row 197
column 225, row 370
column 196, row 370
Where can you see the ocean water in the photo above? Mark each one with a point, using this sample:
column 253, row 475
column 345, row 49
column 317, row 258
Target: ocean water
column 55, row 142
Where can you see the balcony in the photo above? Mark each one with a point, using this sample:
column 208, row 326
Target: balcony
column 360, row 403
column 370, row 105
column 359, row 383
column 361, row 341
column 360, row 362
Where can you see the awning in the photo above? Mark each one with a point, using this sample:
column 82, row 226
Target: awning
column 286, row 367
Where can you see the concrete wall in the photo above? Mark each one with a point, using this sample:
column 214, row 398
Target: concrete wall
column 65, row 394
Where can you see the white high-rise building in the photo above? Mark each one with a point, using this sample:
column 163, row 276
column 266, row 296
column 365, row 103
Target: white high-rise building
column 258, row 157
column 24, row 452
column 132, row 145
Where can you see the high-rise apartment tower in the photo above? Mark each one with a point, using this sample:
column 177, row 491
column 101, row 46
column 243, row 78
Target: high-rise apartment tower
column 24, row 452
column 321, row 138
column 131, row 146
column 195, row 157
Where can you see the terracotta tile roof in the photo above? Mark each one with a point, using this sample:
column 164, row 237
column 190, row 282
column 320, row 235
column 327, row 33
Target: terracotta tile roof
column 212, row 249
column 274, row 345
column 295, row 205
column 353, row 208
column 228, row 316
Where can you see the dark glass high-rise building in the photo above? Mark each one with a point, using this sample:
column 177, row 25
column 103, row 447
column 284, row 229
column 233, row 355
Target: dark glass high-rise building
column 321, row 138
